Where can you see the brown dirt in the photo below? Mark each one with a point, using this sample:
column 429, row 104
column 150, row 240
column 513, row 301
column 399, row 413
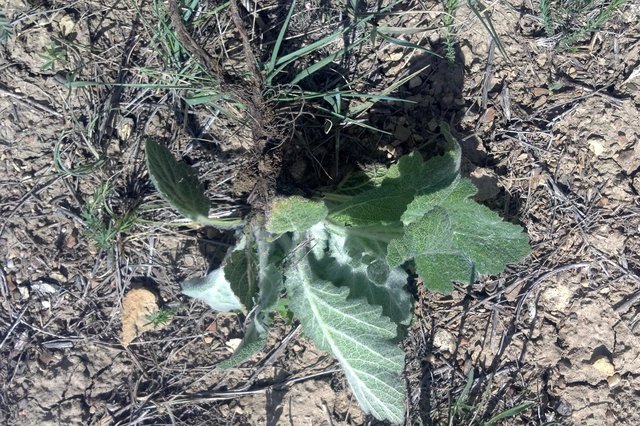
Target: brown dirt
column 560, row 330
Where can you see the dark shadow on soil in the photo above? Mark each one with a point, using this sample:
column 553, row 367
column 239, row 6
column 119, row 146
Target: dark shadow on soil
column 275, row 408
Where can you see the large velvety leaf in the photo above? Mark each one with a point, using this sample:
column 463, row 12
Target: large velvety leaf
column 390, row 294
column 369, row 240
column 380, row 205
column 361, row 181
column 451, row 237
column 179, row 185
column 357, row 334
column 366, row 277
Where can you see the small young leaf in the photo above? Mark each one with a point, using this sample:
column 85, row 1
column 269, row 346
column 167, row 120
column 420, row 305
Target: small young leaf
column 255, row 268
column 356, row 334
column 294, row 214
column 241, row 269
column 176, row 182
column 179, row 185
column 270, row 277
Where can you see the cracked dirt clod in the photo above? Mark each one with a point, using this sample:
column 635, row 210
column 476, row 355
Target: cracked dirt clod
column 137, row 306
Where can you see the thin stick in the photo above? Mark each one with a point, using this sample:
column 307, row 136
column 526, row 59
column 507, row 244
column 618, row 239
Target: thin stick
column 14, row 325
column 270, row 359
column 246, row 44
column 546, row 276
column 219, row 396
column 29, row 102
column 535, row 283
column 632, row 300
column 31, row 193
column 175, row 16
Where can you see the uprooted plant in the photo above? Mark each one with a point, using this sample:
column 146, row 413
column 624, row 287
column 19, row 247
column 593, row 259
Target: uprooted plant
column 342, row 259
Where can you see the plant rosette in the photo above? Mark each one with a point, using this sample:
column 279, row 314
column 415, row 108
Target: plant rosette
column 342, row 261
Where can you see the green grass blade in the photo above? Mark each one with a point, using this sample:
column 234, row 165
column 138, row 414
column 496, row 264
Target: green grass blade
column 401, row 30
column 5, row 28
column 271, row 65
column 293, row 56
column 79, row 170
column 203, row 17
column 464, row 395
column 324, row 62
column 408, row 44
column 359, row 109
column 285, row 60
column 348, row 120
column 307, row 96
column 511, row 412
column 593, row 24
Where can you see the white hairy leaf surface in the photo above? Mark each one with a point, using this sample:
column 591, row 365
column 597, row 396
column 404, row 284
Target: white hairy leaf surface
column 357, row 334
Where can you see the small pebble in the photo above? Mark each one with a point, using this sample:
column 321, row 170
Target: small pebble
column 604, row 366
column 614, row 380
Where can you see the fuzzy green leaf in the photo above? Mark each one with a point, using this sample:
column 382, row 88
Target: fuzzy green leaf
column 176, row 182
column 371, row 240
column 294, row 214
column 250, row 268
column 250, row 279
column 366, row 276
column 241, row 269
column 381, row 205
column 357, row 334
column 387, row 201
column 361, row 181
column 451, row 237
column 179, row 186
column 215, row 290
column 375, row 283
